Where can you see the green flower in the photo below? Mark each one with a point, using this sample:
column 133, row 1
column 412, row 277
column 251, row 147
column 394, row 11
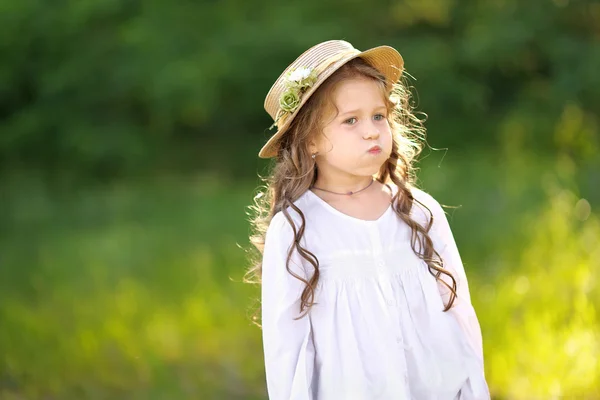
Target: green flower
column 295, row 84
column 290, row 100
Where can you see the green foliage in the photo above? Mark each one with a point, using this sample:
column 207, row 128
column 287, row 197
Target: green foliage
column 99, row 88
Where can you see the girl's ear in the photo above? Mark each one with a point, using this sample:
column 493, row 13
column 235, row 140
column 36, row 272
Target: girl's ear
column 312, row 147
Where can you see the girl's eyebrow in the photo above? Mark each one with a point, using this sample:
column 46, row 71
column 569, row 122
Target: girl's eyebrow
column 381, row 107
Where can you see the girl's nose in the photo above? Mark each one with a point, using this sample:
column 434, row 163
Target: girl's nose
column 371, row 133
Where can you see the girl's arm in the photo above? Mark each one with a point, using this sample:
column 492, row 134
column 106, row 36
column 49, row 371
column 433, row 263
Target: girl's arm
column 288, row 348
column 462, row 309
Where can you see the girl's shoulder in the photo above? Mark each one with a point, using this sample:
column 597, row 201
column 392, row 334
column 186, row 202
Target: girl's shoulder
column 425, row 204
column 419, row 194
column 423, row 197
column 280, row 221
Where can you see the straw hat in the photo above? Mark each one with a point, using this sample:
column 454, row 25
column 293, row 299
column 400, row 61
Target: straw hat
column 302, row 78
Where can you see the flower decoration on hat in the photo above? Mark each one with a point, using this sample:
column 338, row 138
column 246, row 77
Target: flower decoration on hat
column 296, row 82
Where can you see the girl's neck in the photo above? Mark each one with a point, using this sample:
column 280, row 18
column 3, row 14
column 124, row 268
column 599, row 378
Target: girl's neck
column 343, row 185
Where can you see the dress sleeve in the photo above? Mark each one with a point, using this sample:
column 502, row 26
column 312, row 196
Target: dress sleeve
column 287, row 342
column 462, row 309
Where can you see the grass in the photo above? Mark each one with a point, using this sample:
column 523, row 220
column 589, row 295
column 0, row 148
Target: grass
column 126, row 293
column 134, row 291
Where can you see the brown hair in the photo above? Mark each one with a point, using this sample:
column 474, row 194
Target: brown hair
column 295, row 171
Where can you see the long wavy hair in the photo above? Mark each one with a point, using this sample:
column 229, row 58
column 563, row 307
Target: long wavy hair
column 294, row 171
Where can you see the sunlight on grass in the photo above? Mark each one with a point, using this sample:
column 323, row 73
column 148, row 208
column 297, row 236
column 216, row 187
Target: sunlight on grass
column 135, row 292
column 540, row 318
column 133, row 309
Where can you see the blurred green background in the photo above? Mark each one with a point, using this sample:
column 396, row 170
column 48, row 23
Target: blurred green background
column 129, row 134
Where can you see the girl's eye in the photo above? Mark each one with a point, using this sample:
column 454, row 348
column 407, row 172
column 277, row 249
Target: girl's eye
column 379, row 117
column 350, row 121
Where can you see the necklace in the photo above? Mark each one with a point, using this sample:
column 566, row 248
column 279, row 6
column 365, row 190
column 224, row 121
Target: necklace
column 347, row 193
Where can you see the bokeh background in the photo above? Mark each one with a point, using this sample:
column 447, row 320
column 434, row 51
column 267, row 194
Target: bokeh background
column 129, row 133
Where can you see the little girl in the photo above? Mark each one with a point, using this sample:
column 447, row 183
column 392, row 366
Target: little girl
column 364, row 295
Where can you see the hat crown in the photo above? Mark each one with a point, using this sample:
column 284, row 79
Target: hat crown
column 312, row 58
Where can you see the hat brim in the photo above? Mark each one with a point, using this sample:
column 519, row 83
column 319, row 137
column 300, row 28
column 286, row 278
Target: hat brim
column 385, row 59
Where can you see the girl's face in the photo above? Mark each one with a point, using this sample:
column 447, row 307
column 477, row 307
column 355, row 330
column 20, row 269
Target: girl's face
column 359, row 125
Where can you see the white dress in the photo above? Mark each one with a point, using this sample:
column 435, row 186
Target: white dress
column 378, row 330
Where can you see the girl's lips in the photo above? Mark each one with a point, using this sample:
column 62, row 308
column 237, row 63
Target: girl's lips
column 375, row 150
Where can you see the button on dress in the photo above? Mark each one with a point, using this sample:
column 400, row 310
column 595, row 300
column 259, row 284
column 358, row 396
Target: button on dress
column 378, row 329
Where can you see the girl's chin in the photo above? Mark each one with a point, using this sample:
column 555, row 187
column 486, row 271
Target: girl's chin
column 365, row 166
column 370, row 170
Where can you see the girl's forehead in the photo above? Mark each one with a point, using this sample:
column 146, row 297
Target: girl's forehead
column 357, row 92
